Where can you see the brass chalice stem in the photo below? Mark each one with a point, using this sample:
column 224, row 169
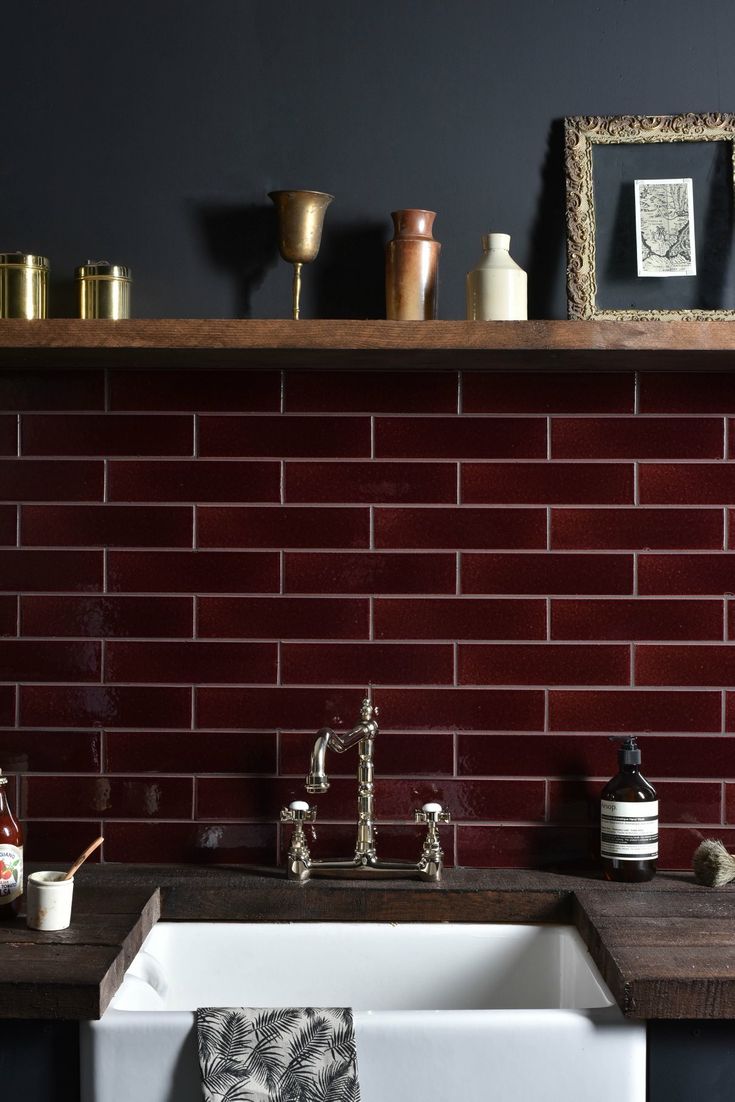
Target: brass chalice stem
column 300, row 217
column 297, row 288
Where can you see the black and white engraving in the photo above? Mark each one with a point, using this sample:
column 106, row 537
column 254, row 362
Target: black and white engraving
column 664, row 222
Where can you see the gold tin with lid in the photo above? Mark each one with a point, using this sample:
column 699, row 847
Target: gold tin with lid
column 103, row 290
column 23, row 285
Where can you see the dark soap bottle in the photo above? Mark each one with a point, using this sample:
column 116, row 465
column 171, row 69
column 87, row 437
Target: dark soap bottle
column 629, row 821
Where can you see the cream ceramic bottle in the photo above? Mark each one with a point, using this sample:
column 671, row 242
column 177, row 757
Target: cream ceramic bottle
column 497, row 288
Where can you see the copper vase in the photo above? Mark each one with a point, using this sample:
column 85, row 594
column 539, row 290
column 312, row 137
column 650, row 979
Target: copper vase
column 412, row 267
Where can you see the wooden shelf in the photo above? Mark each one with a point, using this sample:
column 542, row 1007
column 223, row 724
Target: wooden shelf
column 502, row 346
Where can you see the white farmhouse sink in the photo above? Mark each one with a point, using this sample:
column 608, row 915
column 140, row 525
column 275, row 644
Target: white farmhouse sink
column 443, row 1013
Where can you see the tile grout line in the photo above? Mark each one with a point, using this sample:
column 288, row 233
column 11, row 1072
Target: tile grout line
column 724, row 710
column 282, row 392
column 455, row 663
column 17, row 435
column 636, row 392
column 548, row 437
column 458, row 574
column 632, row 664
column 548, row 619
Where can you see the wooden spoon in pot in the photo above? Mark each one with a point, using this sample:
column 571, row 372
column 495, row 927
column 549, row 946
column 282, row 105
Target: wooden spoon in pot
column 83, row 857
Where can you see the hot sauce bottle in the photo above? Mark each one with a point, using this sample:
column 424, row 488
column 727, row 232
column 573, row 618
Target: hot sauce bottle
column 629, row 821
column 11, row 857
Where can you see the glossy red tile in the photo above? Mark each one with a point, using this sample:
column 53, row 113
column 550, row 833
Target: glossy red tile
column 460, row 437
column 459, row 618
column 677, row 845
column 116, row 797
column 547, row 573
column 31, row 660
column 234, row 391
column 283, row 526
column 51, row 480
column 106, row 434
column 376, row 481
column 527, row 847
column 521, row 392
column 107, row 617
column 44, row 842
column 730, row 620
column 23, row 751
column 201, row 843
column 459, row 528
column 578, row 801
column 106, row 525
column 283, row 618
column 370, row 391
column 634, row 710
column 687, row 483
column 193, row 571
column 696, row 664
column 730, row 803
column 636, row 529
column 52, row 390
column 687, row 392
column 369, row 572
column 363, row 663
column 232, row 708
column 686, row 574
column 285, row 435
column 190, row 752
column 80, row 571
column 8, row 435
column 8, row 525
column 191, row 663
column 636, row 438
column 193, row 480
column 418, row 754
column 543, row 664
column 8, row 615
column 104, row 706
column 548, row 483
column 636, row 618
column 7, row 705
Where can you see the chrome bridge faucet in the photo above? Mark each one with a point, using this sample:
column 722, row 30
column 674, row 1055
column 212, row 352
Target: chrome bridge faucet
column 365, row 863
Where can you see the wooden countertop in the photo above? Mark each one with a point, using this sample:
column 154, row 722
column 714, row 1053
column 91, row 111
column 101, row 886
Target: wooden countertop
column 666, row 949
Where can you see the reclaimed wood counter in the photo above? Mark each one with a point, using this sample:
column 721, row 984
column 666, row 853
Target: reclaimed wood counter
column 666, row 949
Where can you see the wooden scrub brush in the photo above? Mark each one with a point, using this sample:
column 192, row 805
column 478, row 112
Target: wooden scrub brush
column 713, row 865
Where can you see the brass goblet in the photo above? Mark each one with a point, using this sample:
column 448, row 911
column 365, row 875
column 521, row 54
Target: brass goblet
column 300, row 221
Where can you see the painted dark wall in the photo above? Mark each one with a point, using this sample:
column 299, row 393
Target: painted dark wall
column 149, row 133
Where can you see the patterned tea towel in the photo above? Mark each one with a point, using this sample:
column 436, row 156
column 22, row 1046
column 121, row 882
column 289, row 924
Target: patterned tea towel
column 277, row 1055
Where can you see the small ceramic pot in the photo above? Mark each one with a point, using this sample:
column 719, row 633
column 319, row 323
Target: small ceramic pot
column 497, row 287
column 49, row 899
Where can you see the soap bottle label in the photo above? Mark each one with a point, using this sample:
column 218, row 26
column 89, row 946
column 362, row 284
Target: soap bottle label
column 11, row 872
column 629, row 830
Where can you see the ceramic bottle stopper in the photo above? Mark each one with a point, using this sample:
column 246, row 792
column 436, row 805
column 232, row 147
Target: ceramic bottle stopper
column 497, row 287
column 412, row 267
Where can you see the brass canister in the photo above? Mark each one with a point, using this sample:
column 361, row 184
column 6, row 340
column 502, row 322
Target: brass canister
column 103, row 290
column 23, row 285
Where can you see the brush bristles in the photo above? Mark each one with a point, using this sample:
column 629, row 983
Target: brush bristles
column 713, row 865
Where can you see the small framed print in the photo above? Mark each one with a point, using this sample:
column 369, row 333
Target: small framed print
column 664, row 228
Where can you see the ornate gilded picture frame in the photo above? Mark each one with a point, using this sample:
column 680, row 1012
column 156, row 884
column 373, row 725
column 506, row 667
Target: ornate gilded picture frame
column 650, row 197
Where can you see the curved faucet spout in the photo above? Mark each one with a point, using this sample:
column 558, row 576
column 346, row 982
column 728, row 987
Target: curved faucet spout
column 317, row 779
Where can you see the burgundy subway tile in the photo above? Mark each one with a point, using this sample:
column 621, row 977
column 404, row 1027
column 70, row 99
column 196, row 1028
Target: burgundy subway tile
column 543, row 664
column 46, row 842
column 521, row 392
column 414, row 754
column 371, row 392
column 730, row 620
column 191, row 663
column 677, row 845
column 8, row 525
column 8, row 435
column 23, row 751
column 280, row 436
column 369, row 572
column 194, row 480
column 404, row 709
column 262, row 798
column 730, row 803
column 51, row 480
column 201, row 843
column 7, row 705
column 191, row 752
column 193, row 571
column 371, row 482
column 636, row 529
column 397, row 842
column 548, row 483
column 687, row 392
column 104, row 706
column 52, row 390
column 30, row 660
column 527, row 847
column 731, row 437
column 107, row 617
column 361, row 663
column 458, row 528
column 106, row 434
column 578, row 801
column 235, row 391
column 547, row 573
column 283, row 526
column 51, row 570
column 460, row 438
column 106, row 525
column 459, row 618
column 698, row 664
column 116, row 797
column 283, row 618
column 636, row 618
column 8, row 615
column 636, row 438
column 634, row 710
column 686, row 574
column 687, row 483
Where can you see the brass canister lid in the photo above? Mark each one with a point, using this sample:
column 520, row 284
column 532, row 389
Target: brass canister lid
column 102, row 269
column 24, row 260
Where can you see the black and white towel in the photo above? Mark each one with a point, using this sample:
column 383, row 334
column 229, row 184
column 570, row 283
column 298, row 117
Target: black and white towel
column 277, row 1055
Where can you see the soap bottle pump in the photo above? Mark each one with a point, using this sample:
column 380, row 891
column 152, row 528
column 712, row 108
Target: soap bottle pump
column 628, row 820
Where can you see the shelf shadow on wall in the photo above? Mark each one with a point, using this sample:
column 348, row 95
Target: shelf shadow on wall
column 349, row 273
column 548, row 233
column 241, row 241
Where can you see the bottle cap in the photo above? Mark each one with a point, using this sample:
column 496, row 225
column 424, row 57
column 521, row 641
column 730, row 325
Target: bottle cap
column 628, row 753
column 3, row 780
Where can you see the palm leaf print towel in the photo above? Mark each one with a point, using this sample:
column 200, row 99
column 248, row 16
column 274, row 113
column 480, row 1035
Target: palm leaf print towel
column 272, row 1055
